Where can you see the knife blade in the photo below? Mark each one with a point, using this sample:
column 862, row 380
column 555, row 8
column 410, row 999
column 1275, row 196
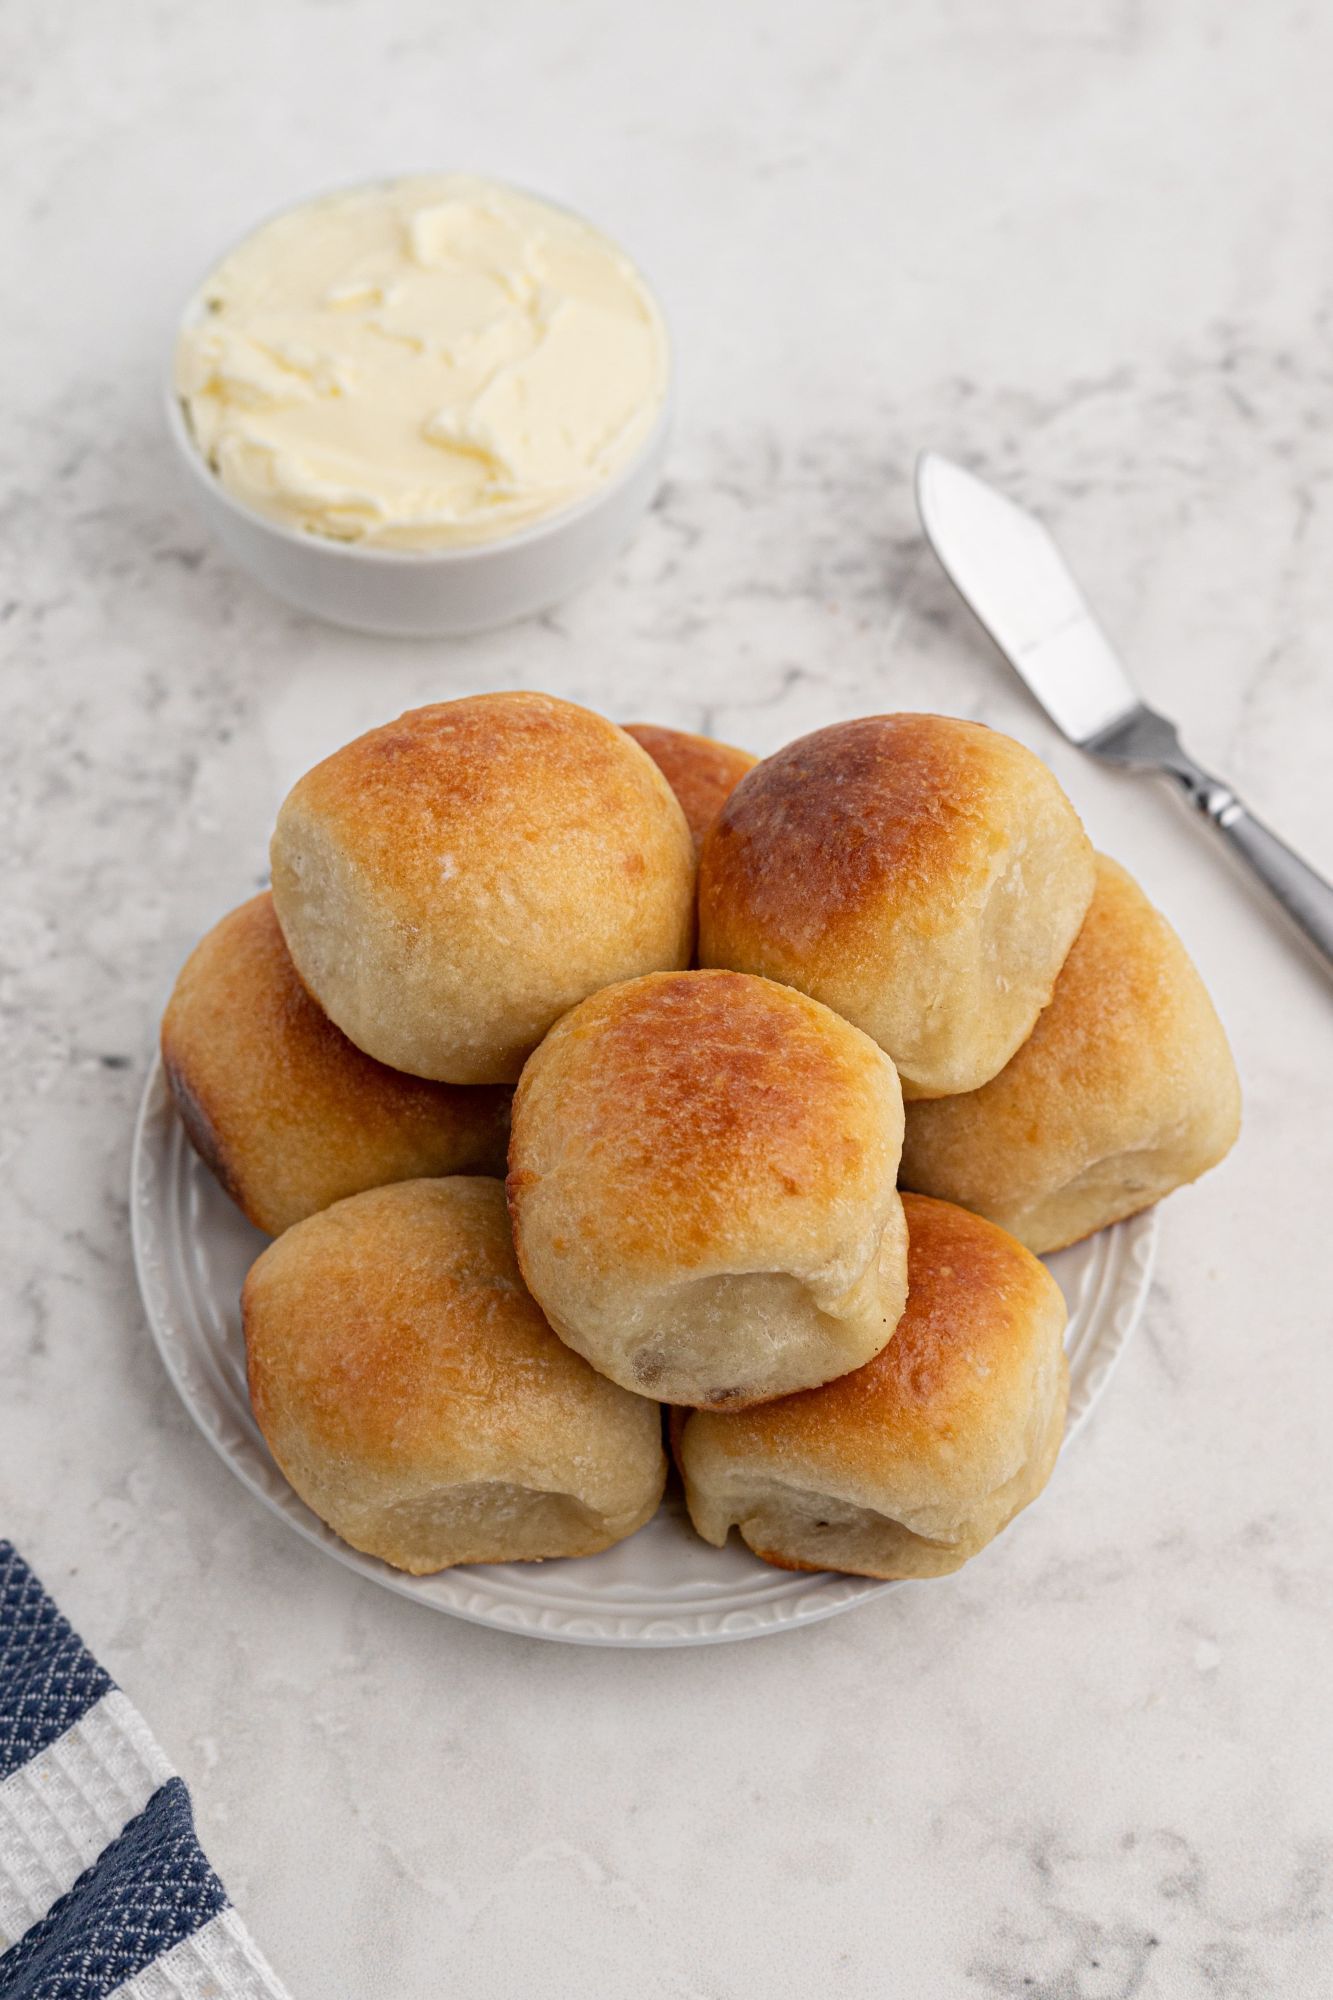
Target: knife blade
column 1010, row 573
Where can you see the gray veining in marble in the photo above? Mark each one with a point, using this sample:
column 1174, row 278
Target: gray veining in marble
column 1085, row 247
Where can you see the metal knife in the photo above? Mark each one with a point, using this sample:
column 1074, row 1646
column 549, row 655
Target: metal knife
column 1007, row 569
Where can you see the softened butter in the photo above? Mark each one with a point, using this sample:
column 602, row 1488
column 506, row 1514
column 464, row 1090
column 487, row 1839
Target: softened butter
column 433, row 361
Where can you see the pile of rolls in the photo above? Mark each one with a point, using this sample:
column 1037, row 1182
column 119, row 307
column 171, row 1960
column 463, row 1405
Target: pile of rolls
column 579, row 1071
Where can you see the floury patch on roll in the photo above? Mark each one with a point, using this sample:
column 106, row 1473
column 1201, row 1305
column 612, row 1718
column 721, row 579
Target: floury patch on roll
column 923, row 876
column 288, row 1113
column 915, row 1462
column 411, row 1391
column 700, row 771
column 702, row 1181
column 450, row 884
column 1125, row 1089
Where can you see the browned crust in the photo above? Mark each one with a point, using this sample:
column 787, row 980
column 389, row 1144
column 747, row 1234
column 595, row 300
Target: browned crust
column 973, row 1295
column 794, row 1563
column 778, row 1092
column 393, row 1316
column 701, row 771
column 390, row 1332
column 1129, row 1045
column 881, row 808
column 201, row 1128
column 270, row 1091
column 404, row 793
column 453, row 882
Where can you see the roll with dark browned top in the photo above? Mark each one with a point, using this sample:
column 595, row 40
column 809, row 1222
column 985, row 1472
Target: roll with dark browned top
column 923, row 876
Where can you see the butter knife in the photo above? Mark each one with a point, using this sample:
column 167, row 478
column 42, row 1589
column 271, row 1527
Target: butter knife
column 1010, row 573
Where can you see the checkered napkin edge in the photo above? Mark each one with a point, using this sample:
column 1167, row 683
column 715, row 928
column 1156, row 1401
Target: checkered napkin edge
column 105, row 1893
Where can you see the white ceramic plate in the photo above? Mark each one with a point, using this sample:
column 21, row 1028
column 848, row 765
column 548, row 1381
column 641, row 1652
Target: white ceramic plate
column 663, row 1587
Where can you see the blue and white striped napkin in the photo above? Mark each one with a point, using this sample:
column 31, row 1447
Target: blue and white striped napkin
column 104, row 1889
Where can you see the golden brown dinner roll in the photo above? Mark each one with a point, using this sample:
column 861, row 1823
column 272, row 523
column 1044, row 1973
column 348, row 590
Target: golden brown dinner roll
column 700, row 771
column 701, row 1177
column 450, row 884
column 916, row 1461
column 923, row 876
column 414, row 1396
column 287, row 1113
column 1124, row 1090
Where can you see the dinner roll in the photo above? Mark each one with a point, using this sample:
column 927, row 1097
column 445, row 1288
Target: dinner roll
column 701, row 1177
column 287, row 1113
column 916, row 1461
column 416, row 1399
column 450, row 884
column 923, row 876
column 700, row 771
column 1124, row 1090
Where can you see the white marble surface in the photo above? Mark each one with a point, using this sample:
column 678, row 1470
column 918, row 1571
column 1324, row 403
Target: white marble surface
column 1086, row 246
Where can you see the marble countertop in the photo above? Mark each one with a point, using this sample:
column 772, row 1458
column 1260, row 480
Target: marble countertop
column 1085, row 247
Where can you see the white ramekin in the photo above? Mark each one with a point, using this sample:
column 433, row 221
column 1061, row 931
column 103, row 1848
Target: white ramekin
column 428, row 593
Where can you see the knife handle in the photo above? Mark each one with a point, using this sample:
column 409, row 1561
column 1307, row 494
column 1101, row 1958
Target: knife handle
column 1305, row 896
